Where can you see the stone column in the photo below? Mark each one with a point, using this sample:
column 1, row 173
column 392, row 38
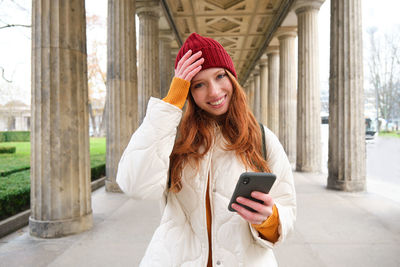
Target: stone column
column 60, row 164
column 308, row 97
column 264, row 89
column 251, row 92
column 174, row 53
column 20, row 122
column 166, row 67
column 149, row 71
column 273, row 89
column 287, row 91
column 122, row 93
column 246, row 88
column 257, row 95
column 346, row 161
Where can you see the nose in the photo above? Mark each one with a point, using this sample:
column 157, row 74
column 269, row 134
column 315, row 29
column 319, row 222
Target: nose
column 213, row 89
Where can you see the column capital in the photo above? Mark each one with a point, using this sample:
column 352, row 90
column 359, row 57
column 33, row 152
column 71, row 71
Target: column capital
column 147, row 3
column 165, row 35
column 256, row 70
column 174, row 53
column 263, row 60
column 284, row 32
column 274, row 49
column 150, row 7
column 304, row 5
column 251, row 77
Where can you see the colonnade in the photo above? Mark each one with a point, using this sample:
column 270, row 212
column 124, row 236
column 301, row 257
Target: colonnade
column 283, row 95
column 292, row 104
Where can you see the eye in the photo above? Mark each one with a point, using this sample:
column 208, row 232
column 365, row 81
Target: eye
column 197, row 85
column 221, row 75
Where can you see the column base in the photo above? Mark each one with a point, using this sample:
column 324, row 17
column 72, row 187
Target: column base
column 60, row 228
column 307, row 168
column 112, row 186
column 347, row 186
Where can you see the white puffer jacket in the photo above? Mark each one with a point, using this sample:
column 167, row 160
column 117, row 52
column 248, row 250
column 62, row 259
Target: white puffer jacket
column 181, row 239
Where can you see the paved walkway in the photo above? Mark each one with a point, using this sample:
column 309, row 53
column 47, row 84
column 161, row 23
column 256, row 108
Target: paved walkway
column 333, row 229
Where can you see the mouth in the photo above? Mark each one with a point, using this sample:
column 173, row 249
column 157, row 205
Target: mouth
column 219, row 102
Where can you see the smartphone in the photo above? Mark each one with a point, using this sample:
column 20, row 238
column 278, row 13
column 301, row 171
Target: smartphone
column 249, row 182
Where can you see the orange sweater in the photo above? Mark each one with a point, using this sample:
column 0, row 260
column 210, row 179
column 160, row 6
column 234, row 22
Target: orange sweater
column 269, row 228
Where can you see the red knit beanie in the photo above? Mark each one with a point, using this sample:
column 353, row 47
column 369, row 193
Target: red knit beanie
column 215, row 56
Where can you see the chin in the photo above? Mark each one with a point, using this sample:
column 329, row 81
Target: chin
column 213, row 113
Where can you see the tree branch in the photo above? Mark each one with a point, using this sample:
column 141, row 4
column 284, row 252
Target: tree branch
column 15, row 25
column 2, row 75
column 19, row 6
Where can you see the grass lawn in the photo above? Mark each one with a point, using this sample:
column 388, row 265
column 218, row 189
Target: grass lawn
column 389, row 134
column 21, row 158
column 18, row 160
column 97, row 151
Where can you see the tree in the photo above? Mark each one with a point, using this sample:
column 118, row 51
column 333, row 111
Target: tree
column 6, row 5
column 384, row 73
column 9, row 89
column 96, row 74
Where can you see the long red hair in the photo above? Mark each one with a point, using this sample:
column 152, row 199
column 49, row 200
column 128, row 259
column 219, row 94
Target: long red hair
column 195, row 135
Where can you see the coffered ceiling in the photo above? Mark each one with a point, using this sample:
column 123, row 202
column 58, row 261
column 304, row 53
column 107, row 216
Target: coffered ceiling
column 243, row 27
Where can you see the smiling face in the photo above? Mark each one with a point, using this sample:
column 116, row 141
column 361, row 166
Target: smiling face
column 212, row 90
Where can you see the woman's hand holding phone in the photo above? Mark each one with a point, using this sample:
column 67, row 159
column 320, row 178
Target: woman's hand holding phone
column 251, row 198
column 261, row 210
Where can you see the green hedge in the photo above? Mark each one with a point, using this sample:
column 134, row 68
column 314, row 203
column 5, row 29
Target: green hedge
column 98, row 172
column 14, row 194
column 5, row 173
column 7, row 149
column 15, row 136
column 15, row 190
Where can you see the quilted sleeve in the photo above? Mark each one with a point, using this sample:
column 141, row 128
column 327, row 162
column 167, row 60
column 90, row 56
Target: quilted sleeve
column 283, row 191
column 143, row 167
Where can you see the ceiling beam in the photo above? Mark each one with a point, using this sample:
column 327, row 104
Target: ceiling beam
column 171, row 22
column 276, row 21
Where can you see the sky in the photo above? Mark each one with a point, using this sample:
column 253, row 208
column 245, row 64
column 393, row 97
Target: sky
column 15, row 43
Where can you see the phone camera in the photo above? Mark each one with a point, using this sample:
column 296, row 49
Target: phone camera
column 246, row 180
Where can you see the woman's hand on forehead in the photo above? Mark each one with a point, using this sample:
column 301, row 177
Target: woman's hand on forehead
column 189, row 65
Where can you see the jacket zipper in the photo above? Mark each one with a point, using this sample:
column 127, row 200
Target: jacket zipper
column 208, row 183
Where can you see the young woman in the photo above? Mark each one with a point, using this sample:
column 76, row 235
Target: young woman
column 194, row 162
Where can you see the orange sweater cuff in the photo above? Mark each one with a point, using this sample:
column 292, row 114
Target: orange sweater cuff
column 178, row 92
column 269, row 228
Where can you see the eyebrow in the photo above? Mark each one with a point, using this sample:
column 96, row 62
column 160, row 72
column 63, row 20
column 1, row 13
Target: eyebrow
column 214, row 73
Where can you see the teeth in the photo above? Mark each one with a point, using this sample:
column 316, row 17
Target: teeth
column 216, row 103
